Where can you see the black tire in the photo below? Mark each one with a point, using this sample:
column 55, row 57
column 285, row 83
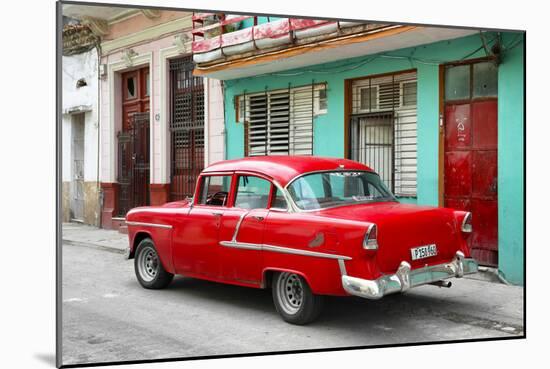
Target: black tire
column 294, row 300
column 148, row 268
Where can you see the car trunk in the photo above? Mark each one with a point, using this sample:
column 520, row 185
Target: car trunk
column 403, row 227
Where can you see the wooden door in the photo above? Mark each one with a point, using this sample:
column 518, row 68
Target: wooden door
column 133, row 141
column 470, row 166
column 135, row 95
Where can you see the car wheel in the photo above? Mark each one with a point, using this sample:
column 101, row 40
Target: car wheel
column 149, row 270
column 294, row 300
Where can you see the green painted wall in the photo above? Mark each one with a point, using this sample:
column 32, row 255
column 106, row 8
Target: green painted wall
column 329, row 128
column 511, row 226
column 247, row 23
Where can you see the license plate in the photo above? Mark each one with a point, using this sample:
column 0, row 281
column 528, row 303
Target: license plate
column 422, row 252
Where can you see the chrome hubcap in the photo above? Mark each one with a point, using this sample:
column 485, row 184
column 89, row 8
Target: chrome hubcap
column 290, row 292
column 148, row 264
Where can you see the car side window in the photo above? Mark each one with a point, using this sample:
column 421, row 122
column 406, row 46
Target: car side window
column 214, row 190
column 278, row 201
column 252, row 193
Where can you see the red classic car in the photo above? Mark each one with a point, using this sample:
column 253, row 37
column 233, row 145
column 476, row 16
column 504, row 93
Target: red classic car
column 304, row 226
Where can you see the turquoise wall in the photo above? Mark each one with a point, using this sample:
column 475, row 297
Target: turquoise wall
column 511, row 226
column 329, row 132
column 247, row 23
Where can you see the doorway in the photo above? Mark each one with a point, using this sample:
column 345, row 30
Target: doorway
column 470, row 152
column 133, row 142
column 77, row 164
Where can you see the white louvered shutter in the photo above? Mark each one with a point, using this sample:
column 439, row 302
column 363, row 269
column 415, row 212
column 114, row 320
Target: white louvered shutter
column 279, row 122
column 384, row 129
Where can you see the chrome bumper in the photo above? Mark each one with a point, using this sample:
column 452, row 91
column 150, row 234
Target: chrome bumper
column 406, row 278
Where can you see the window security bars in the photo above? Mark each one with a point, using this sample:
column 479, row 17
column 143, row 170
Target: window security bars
column 383, row 129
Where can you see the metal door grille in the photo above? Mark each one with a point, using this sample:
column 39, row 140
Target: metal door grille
column 186, row 128
column 383, row 128
column 133, row 164
column 372, row 142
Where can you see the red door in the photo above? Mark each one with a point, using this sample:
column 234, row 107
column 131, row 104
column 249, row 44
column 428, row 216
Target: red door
column 470, row 171
column 135, row 94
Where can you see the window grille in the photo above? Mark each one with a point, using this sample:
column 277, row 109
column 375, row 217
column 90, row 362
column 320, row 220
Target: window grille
column 383, row 129
column 186, row 128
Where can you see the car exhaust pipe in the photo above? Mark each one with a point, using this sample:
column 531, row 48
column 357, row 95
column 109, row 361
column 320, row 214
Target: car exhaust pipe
column 446, row 284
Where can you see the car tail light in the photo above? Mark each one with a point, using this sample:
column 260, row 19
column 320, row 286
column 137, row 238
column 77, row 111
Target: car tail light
column 370, row 241
column 467, row 223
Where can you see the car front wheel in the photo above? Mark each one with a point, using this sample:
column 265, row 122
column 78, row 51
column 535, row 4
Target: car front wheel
column 294, row 300
column 149, row 270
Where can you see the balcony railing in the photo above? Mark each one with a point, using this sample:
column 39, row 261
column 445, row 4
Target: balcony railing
column 218, row 36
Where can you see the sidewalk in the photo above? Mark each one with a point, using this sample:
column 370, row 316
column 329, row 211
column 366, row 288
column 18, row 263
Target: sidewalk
column 88, row 236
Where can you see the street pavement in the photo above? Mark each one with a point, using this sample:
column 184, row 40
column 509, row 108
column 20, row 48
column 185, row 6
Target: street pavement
column 107, row 316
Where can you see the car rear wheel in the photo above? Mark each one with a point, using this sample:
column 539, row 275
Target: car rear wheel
column 149, row 270
column 294, row 300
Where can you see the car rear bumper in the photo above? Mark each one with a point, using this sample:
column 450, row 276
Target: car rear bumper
column 406, row 278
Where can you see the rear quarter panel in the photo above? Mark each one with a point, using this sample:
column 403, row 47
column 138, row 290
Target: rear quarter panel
column 303, row 231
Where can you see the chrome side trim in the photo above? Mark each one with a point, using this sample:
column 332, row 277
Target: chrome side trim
column 286, row 250
column 234, row 238
column 282, row 250
column 405, row 278
column 467, row 217
column 342, row 267
column 241, row 245
column 156, row 225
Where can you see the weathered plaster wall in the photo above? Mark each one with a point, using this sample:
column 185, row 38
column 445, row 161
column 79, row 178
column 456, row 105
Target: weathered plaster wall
column 139, row 22
column 66, row 202
column 214, row 122
column 92, row 209
column 80, row 100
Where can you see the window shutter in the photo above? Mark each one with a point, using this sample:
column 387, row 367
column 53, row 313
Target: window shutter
column 279, row 122
column 301, row 137
column 256, row 117
column 395, row 94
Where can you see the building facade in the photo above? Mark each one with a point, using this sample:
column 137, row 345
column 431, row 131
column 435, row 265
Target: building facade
column 159, row 124
column 437, row 112
column 80, row 145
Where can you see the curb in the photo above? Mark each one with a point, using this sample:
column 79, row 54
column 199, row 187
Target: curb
column 95, row 246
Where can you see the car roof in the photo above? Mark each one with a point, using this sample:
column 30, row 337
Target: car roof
column 285, row 168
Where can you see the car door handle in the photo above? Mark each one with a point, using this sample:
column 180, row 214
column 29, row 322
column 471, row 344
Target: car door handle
column 217, row 213
column 258, row 217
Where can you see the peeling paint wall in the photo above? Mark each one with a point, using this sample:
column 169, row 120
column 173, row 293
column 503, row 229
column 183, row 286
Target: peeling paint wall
column 80, row 101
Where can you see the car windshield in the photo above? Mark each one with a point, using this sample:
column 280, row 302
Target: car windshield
column 327, row 189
